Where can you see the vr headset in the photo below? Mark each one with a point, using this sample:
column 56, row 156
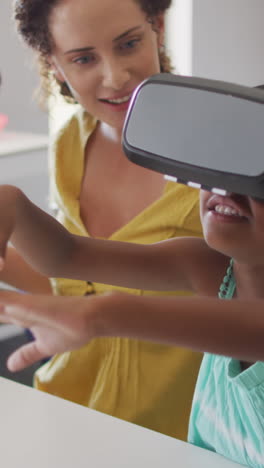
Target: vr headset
column 204, row 133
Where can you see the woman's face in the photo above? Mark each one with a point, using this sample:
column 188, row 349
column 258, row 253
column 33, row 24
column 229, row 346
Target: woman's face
column 103, row 49
column 234, row 225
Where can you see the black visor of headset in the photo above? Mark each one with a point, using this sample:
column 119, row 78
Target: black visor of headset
column 204, row 133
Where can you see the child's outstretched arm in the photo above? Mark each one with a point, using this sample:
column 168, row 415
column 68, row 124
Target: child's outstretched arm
column 33, row 232
column 50, row 249
column 201, row 323
column 22, row 276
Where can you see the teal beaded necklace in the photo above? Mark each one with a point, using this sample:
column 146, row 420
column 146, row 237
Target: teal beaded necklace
column 228, row 286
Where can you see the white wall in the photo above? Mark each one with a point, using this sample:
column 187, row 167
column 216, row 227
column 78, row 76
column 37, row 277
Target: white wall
column 228, row 40
column 179, row 36
column 19, row 78
column 226, row 37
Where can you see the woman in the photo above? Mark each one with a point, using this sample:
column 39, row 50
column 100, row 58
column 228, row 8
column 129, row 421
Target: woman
column 99, row 52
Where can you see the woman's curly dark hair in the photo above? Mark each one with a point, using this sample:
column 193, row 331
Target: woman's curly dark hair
column 32, row 20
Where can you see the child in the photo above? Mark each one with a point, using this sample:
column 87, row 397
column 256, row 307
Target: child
column 228, row 408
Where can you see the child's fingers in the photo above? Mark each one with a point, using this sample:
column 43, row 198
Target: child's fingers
column 14, row 319
column 25, row 356
column 26, row 316
column 5, row 319
column 16, row 316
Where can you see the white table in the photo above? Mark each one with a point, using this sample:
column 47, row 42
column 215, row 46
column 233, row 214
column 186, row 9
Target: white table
column 16, row 142
column 42, row 431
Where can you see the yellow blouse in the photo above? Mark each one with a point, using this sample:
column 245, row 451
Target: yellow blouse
column 144, row 383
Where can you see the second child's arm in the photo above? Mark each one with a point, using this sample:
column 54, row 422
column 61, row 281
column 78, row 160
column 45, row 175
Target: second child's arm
column 50, row 249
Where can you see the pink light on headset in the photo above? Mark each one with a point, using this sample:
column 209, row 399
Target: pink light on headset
column 3, row 121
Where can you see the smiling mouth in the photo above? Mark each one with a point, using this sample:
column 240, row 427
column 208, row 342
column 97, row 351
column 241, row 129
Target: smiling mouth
column 233, row 206
column 227, row 211
column 117, row 100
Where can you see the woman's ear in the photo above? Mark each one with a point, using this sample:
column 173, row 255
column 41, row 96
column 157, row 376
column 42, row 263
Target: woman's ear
column 56, row 70
column 159, row 26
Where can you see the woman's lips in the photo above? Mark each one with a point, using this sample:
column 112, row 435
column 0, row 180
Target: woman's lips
column 120, row 103
column 117, row 100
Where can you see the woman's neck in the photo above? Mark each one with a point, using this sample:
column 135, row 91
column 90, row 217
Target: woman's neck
column 112, row 134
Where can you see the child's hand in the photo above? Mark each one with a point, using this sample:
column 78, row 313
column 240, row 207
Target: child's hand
column 58, row 323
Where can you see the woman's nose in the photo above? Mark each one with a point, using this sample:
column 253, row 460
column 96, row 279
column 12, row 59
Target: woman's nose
column 115, row 74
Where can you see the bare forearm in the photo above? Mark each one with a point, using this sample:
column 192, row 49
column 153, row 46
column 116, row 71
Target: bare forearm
column 38, row 237
column 20, row 275
column 203, row 324
column 51, row 250
column 123, row 264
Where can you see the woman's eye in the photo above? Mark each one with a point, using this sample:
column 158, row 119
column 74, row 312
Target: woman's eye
column 84, row 60
column 131, row 44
